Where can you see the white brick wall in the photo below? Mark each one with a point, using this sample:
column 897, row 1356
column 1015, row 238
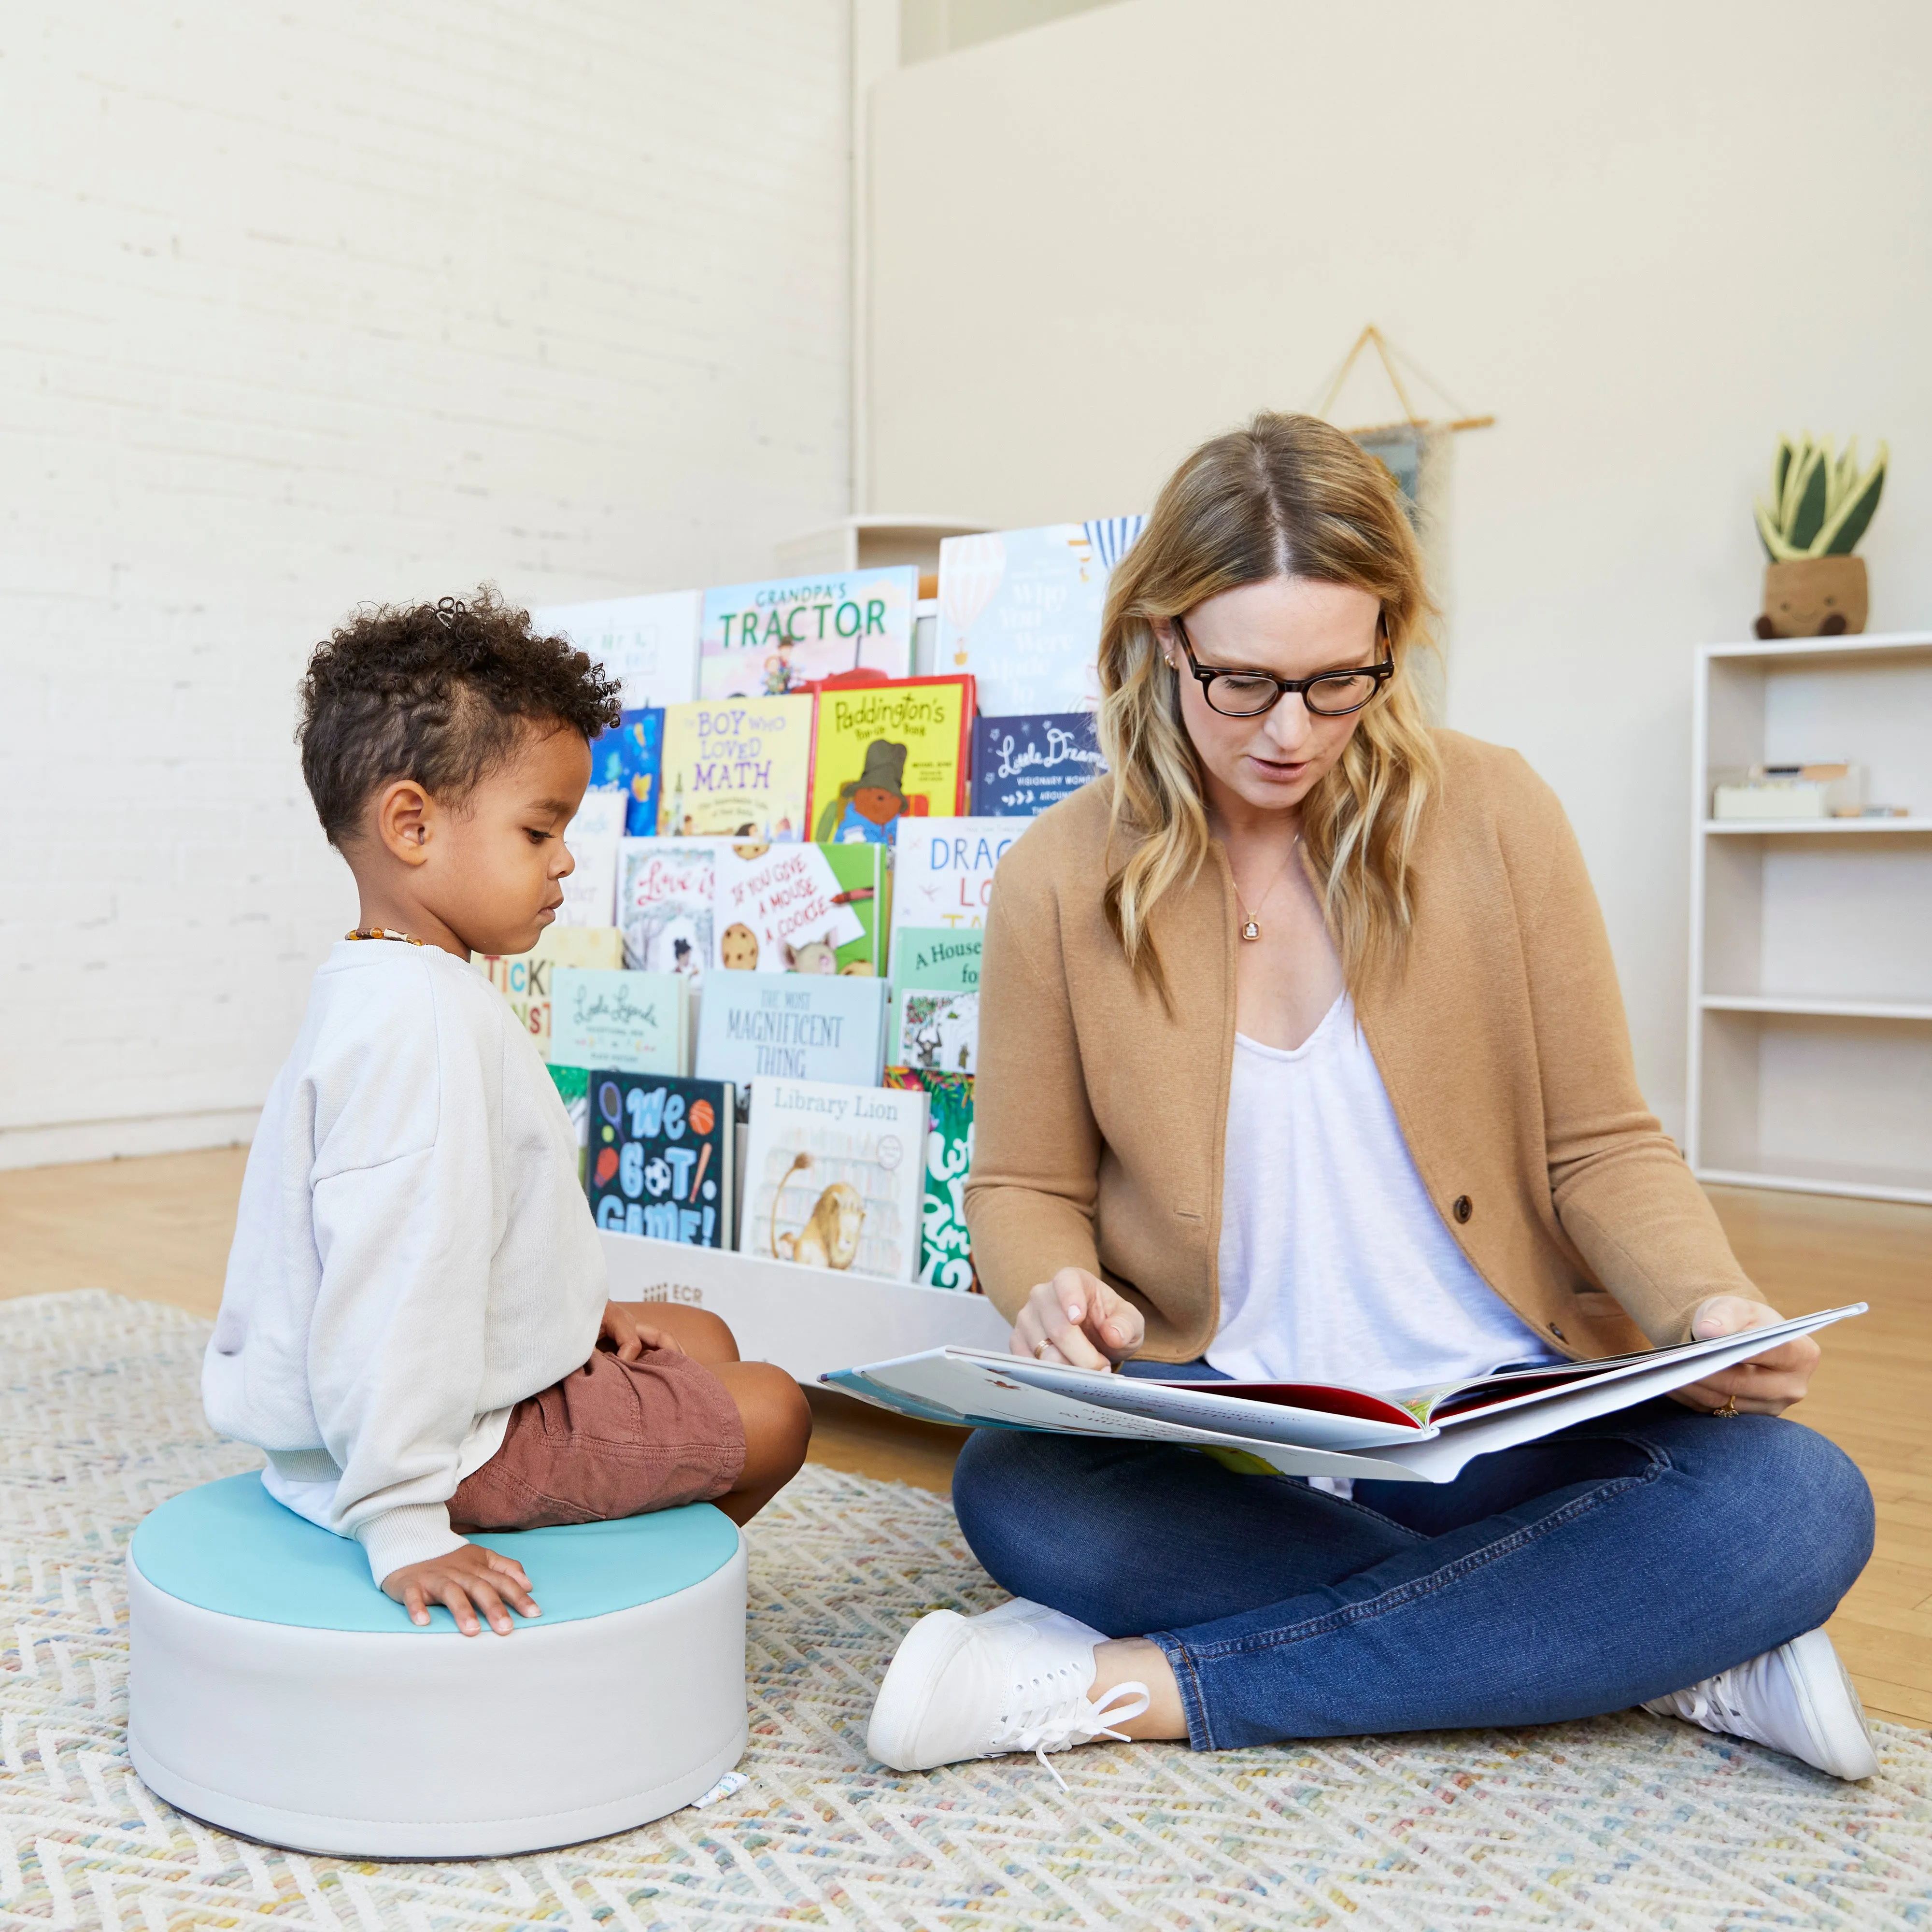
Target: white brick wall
column 339, row 300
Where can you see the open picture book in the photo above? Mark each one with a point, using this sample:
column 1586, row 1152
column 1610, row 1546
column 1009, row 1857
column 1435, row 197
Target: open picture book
column 1408, row 1436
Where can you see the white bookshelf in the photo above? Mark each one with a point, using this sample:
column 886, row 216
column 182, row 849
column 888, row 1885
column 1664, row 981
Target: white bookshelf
column 1811, row 1019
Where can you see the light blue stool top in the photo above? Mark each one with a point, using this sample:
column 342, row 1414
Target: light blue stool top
column 230, row 1547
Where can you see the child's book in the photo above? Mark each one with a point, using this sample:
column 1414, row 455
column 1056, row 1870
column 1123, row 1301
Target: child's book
column 934, row 1032
column 665, row 887
column 940, row 957
column 1021, row 765
column 884, row 751
column 665, row 1157
column 1425, row 1435
column 573, row 1089
column 791, row 1026
column 740, row 768
column 942, row 872
column 800, row 908
column 1021, row 610
column 626, row 760
column 649, row 644
column 524, row 978
column 764, row 640
column 635, row 1022
column 591, row 838
column 833, row 1177
column 945, row 1249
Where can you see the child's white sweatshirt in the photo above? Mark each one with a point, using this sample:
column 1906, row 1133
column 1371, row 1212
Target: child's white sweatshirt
column 413, row 1255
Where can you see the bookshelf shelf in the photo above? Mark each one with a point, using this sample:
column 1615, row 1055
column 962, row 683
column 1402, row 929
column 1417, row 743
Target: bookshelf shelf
column 1810, row 993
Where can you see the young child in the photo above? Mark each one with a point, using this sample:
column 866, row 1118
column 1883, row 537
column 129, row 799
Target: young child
column 415, row 1324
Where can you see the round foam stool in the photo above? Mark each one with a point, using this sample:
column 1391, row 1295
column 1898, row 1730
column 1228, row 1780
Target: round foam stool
column 275, row 1691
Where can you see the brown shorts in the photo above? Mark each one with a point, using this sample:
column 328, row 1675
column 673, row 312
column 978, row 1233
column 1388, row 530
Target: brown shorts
column 612, row 1439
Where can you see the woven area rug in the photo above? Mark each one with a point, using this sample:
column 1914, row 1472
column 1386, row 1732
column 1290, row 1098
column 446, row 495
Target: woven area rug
column 1625, row 1821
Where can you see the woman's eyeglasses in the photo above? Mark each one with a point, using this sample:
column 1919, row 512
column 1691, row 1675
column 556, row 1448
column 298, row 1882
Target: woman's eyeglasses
column 1247, row 693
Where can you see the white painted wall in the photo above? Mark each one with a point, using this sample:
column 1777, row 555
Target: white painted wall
column 1648, row 237
column 318, row 302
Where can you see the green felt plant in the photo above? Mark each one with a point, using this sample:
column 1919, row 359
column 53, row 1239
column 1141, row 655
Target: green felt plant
column 1819, row 504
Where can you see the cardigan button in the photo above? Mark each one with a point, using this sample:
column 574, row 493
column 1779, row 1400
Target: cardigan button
column 1558, row 1332
column 1463, row 1208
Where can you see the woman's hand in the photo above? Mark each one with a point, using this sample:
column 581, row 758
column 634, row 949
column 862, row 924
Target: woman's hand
column 628, row 1337
column 1076, row 1319
column 1767, row 1384
column 470, row 1575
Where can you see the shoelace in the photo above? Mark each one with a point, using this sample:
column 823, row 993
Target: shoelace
column 1060, row 1730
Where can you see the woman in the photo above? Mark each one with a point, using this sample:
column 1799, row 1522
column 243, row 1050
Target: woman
column 1302, row 1057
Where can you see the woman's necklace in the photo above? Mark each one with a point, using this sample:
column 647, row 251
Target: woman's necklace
column 380, row 932
column 1250, row 927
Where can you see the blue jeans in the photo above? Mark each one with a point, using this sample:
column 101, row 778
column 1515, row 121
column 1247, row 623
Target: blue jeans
column 1613, row 1562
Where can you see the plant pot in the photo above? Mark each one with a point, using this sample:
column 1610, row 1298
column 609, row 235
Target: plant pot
column 1815, row 597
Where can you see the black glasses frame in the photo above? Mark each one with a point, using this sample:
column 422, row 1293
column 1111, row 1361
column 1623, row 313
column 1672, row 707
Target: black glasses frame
column 1303, row 687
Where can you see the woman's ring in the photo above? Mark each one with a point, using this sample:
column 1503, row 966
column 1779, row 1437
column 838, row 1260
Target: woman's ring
column 1730, row 1407
column 1040, row 1355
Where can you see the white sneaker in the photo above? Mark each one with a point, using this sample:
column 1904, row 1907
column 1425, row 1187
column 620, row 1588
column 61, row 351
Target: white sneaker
column 1015, row 1679
column 1797, row 1698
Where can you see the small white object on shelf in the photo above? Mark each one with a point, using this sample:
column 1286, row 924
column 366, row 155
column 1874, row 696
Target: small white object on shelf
column 1791, row 791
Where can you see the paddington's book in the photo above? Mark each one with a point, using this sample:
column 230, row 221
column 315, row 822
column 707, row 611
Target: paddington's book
column 764, row 639
column 523, row 978
column 800, row 908
column 665, row 887
column 626, row 760
column 1021, row 610
column 636, row 1022
column 1022, row 764
column 662, row 1162
column 740, row 768
column 833, row 1177
column 885, row 752
column 649, row 644
column 945, row 1249
column 942, row 872
column 941, row 957
column 791, row 1026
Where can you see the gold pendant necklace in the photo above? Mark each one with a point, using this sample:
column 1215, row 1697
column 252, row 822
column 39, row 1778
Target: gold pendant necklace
column 380, row 932
column 1250, row 927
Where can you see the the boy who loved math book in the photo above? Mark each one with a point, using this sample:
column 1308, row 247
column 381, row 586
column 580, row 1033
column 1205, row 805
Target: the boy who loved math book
column 888, row 751
column 740, row 768
column 764, row 640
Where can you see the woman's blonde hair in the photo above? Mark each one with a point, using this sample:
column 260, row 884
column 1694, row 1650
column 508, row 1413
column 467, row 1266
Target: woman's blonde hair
column 1289, row 495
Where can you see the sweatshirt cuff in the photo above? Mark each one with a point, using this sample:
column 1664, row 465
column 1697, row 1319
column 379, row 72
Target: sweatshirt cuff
column 412, row 1534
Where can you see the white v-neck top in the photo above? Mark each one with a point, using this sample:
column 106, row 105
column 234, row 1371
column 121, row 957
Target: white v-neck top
column 1335, row 1266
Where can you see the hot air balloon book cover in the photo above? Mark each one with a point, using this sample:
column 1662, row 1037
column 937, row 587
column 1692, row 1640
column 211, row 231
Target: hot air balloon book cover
column 1022, row 764
column 660, row 1157
column 649, row 644
column 740, row 768
column 1020, row 611
column 764, row 639
column 885, row 752
column 945, row 1248
column 834, row 1177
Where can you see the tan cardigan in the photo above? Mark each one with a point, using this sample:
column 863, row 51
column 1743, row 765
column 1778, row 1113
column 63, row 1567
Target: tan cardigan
column 1100, row 1118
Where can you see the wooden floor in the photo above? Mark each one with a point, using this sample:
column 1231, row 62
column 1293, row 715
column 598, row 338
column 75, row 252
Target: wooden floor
column 159, row 1228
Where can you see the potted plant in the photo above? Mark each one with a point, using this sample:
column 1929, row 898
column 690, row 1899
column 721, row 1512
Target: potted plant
column 1819, row 506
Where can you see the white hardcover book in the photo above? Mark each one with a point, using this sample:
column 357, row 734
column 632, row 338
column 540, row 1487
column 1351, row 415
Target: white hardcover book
column 943, row 872
column 592, row 839
column 665, row 890
column 649, row 644
column 834, row 1177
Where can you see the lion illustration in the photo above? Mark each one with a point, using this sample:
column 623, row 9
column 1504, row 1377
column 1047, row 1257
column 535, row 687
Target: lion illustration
column 830, row 1238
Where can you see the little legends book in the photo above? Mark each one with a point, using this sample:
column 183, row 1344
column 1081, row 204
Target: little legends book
column 800, row 908
column 523, row 978
column 665, row 891
column 833, row 1177
column 885, row 752
column 753, row 1027
column 1020, row 611
column 945, row 1248
column 649, row 644
column 764, row 640
column 1425, row 1435
column 635, row 1022
column 942, row 872
column 740, row 768
column 1021, row 765
column 662, row 1164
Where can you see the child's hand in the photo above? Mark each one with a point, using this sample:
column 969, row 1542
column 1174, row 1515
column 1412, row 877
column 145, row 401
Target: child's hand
column 628, row 1337
column 470, row 1574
